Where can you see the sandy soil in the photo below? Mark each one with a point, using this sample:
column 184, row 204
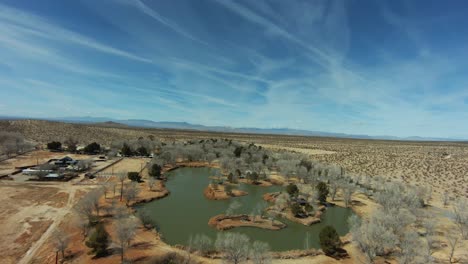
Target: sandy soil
column 27, row 212
column 30, row 212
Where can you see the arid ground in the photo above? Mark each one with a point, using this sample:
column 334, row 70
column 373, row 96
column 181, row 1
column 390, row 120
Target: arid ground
column 30, row 211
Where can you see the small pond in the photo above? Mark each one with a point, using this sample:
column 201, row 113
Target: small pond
column 186, row 212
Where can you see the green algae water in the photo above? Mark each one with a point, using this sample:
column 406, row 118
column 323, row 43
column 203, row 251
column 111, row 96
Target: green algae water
column 186, row 212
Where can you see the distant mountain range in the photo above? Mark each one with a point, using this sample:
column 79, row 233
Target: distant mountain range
column 187, row 126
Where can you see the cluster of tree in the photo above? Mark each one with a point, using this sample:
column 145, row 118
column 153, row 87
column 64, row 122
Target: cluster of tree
column 54, row 146
column 390, row 228
column 72, row 144
column 237, row 248
column 141, row 147
column 93, row 148
column 89, row 208
column 13, row 143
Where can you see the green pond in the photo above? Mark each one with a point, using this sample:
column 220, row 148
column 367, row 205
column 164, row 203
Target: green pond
column 186, row 212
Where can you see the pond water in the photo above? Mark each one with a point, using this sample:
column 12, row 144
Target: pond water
column 186, row 212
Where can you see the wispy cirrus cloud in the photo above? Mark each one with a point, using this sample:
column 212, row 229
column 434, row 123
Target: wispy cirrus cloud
column 17, row 22
column 320, row 65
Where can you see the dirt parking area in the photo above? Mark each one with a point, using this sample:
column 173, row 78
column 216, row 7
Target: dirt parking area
column 25, row 214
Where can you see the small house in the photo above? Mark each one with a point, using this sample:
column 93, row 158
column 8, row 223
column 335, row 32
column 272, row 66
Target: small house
column 65, row 161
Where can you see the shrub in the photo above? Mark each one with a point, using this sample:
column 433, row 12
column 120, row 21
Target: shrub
column 92, row 148
column 126, row 150
column 134, row 176
column 323, row 191
column 292, row 190
column 309, row 208
column 297, row 209
column 253, row 176
column 238, row 151
column 329, row 240
column 142, row 151
column 54, row 145
column 155, row 171
column 99, row 241
column 231, row 178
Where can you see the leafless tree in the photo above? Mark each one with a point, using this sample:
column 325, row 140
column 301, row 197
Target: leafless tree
column 146, row 219
column 11, row 143
column 202, row 243
column 125, row 230
column 121, row 176
column 445, row 198
column 85, row 208
column 121, row 212
column 460, row 211
column 348, row 191
column 151, row 183
column 61, row 241
column 235, row 246
column 452, row 240
column 83, row 165
column 112, row 186
column 409, row 248
column 372, row 236
column 131, row 192
column 71, row 144
column 105, row 188
column 260, row 253
column 81, row 224
column 430, row 225
column 94, row 197
column 334, row 185
column 233, row 206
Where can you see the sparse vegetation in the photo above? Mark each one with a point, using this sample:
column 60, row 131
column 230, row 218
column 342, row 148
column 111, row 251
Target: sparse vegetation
column 329, row 240
column 99, row 241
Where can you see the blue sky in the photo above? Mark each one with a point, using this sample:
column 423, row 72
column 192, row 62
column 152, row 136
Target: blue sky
column 360, row 67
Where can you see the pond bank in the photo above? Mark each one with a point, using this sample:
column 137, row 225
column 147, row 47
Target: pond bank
column 225, row 222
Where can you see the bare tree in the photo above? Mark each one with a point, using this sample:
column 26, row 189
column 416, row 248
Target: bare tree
column 131, row 192
column 235, row 246
column 112, row 186
column 61, row 241
column 83, row 165
column 445, row 198
column 151, row 183
column 233, row 206
column 125, row 230
column 348, row 191
column 452, row 240
column 85, row 208
column 460, row 211
column 121, row 212
column 82, row 225
column 409, row 248
column 430, row 225
column 372, row 236
column 146, row 219
column 202, row 243
column 94, row 197
column 121, row 176
column 105, row 189
column 71, row 144
column 260, row 253
column 333, row 189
